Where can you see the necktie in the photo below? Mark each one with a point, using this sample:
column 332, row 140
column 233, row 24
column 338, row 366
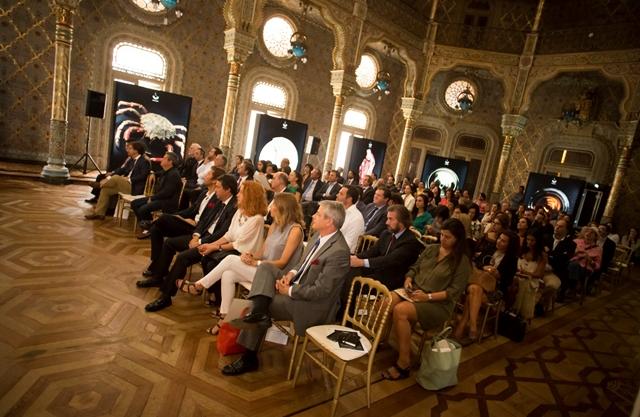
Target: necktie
column 371, row 216
column 391, row 242
column 306, row 262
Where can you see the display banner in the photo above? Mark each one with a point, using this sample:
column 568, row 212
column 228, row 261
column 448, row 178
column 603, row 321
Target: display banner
column 365, row 156
column 553, row 193
column 158, row 119
column 448, row 173
column 278, row 138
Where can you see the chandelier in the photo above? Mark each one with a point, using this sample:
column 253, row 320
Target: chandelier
column 298, row 41
column 383, row 84
column 170, row 5
column 465, row 100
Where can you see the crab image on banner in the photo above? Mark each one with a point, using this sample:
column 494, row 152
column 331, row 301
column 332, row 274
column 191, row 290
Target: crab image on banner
column 158, row 119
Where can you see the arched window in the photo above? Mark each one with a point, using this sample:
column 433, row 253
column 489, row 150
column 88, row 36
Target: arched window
column 136, row 64
column 367, row 71
column 266, row 98
column 354, row 123
column 276, row 35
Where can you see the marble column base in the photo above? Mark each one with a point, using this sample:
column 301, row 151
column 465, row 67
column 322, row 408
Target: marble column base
column 55, row 174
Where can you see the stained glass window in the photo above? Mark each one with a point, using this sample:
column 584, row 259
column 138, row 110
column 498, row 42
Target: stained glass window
column 356, row 118
column 138, row 60
column 149, row 5
column 453, row 91
column 269, row 95
column 366, row 71
column 276, row 35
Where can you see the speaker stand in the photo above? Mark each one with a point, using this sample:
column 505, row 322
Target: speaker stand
column 87, row 156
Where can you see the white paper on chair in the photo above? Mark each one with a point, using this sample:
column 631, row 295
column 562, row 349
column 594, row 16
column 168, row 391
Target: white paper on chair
column 275, row 335
column 125, row 214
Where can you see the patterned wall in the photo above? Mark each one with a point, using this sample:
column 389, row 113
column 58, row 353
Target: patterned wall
column 543, row 125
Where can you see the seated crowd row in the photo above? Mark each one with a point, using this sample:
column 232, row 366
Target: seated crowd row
column 441, row 251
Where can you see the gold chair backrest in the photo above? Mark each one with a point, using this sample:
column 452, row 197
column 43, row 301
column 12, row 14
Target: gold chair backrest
column 371, row 304
column 184, row 183
column 622, row 255
column 151, row 181
column 365, row 242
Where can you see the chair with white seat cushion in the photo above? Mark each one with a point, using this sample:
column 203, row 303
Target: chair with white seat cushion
column 366, row 311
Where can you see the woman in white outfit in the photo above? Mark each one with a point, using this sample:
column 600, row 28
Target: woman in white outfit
column 282, row 248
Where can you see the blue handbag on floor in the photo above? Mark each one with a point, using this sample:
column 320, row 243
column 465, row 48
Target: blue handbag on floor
column 439, row 362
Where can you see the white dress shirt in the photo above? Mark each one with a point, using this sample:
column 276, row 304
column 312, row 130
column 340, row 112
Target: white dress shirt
column 353, row 227
column 202, row 171
column 203, row 204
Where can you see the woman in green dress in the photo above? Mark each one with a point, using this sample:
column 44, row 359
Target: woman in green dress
column 421, row 217
column 295, row 184
column 432, row 285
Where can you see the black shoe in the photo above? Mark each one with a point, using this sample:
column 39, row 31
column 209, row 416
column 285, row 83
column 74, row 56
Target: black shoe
column 147, row 273
column 148, row 283
column 144, row 234
column 252, row 321
column 240, row 366
column 91, row 200
column 159, row 304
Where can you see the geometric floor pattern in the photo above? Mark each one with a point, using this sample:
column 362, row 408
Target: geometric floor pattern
column 75, row 340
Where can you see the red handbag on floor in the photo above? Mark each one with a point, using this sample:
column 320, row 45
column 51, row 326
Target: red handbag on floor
column 227, row 343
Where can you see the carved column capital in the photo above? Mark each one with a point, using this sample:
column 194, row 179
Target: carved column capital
column 342, row 82
column 238, row 45
column 411, row 107
column 513, row 125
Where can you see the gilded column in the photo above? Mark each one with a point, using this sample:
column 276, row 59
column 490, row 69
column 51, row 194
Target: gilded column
column 56, row 171
column 512, row 126
column 238, row 46
column 342, row 82
column 230, row 107
column 626, row 144
column 411, row 109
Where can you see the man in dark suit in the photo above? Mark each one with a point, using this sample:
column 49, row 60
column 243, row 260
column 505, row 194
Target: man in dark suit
column 188, row 170
column 130, row 178
column 330, row 188
column 166, row 195
column 311, row 195
column 375, row 215
column 562, row 250
column 367, row 190
column 390, row 257
column 207, row 231
column 308, row 295
column 184, row 222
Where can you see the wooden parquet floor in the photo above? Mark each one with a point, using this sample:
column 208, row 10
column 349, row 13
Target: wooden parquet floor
column 75, row 340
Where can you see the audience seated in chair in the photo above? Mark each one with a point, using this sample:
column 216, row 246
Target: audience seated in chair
column 305, row 295
column 375, row 215
column 190, row 246
column 166, row 194
column 586, row 261
column 433, row 284
column 421, row 215
column 531, row 270
column 389, row 259
column 491, row 272
column 562, row 250
column 282, row 249
column 130, row 178
column 353, row 226
column 185, row 222
column 189, row 172
column 311, row 195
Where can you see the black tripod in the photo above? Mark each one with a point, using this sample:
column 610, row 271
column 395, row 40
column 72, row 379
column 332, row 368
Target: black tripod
column 87, row 156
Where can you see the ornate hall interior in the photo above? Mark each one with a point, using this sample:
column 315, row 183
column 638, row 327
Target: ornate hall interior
column 509, row 87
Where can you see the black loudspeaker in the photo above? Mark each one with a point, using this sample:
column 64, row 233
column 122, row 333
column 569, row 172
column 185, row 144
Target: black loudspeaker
column 95, row 104
column 315, row 146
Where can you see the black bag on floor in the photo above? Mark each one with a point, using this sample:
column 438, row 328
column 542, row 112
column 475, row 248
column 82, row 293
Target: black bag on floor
column 512, row 326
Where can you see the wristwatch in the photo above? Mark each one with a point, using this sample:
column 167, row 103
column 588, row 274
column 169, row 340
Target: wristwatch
column 429, row 296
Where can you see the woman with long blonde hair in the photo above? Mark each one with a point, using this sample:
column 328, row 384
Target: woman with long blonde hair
column 281, row 249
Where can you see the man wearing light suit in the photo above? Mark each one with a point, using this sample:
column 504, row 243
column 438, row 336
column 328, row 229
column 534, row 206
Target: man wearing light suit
column 308, row 295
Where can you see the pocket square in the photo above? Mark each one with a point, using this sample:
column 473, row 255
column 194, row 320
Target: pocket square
column 315, row 262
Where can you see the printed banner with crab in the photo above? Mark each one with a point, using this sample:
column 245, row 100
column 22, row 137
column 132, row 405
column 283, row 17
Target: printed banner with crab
column 158, row 119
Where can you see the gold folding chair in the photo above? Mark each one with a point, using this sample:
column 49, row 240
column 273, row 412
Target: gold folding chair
column 365, row 242
column 368, row 316
column 124, row 200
